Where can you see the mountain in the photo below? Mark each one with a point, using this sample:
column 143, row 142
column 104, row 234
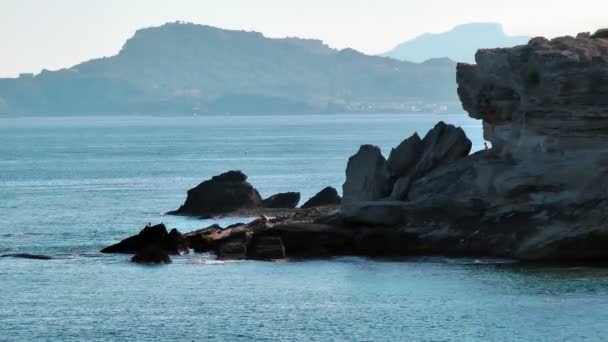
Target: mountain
column 458, row 44
column 188, row 68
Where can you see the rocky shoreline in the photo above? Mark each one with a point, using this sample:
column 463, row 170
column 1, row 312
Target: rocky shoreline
column 540, row 193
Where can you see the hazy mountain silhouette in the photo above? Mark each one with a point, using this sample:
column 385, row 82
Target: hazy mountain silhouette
column 188, row 68
column 458, row 44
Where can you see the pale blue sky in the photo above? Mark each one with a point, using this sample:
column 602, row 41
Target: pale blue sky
column 52, row 34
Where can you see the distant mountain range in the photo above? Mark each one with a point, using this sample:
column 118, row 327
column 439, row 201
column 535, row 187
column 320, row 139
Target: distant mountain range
column 458, row 44
column 186, row 68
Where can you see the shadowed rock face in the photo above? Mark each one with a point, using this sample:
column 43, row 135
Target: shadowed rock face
column 224, row 193
column 282, row 200
column 367, row 176
column 327, row 196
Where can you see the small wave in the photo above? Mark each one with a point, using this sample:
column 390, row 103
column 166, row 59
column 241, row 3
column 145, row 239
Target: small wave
column 214, row 262
column 21, row 234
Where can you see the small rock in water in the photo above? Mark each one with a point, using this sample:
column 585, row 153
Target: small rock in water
column 27, row 256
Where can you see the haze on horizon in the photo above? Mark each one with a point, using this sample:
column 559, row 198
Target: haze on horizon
column 38, row 35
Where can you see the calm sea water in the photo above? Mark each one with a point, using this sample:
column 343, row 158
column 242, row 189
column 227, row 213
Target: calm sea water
column 71, row 185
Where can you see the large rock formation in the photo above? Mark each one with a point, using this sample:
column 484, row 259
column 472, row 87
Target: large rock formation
column 541, row 192
column 224, row 193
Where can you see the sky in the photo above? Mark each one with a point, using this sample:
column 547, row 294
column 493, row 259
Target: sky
column 53, row 34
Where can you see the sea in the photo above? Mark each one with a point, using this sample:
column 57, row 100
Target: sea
column 71, row 185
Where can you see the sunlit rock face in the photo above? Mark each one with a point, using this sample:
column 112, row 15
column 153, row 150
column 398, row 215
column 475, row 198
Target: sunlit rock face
column 548, row 95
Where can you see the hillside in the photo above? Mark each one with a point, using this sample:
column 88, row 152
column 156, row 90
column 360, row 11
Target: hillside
column 188, row 68
column 458, row 44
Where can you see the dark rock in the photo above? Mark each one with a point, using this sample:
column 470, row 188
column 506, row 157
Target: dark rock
column 267, row 248
column 601, row 33
column 221, row 194
column 405, row 156
column 156, row 236
column 310, row 240
column 233, row 247
column 442, row 145
column 327, row 196
column 282, row 200
column 202, row 240
column 27, row 256
column 367, row 176
column 151, row 255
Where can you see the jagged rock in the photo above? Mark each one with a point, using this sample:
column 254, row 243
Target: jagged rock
column 282, row 200
column 367, row 176
column 405, row 156
column 224, row 193
column 442, row 145
column 327, row 196
column 151, row 255
column 151, row 236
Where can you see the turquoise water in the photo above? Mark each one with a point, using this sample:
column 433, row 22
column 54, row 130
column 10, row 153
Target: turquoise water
column 69, row 186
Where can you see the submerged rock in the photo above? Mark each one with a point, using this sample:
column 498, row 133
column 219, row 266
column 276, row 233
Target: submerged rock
column 282, row 200
column 328, row 196
column 224, row 193
column 27, row 256
column 151, row 236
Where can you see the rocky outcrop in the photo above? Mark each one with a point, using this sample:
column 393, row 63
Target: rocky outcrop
column 224, row 193
column 151, row 237
column 327, row 197
column 367, row 176
column 540, row 192
column 283, row 200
